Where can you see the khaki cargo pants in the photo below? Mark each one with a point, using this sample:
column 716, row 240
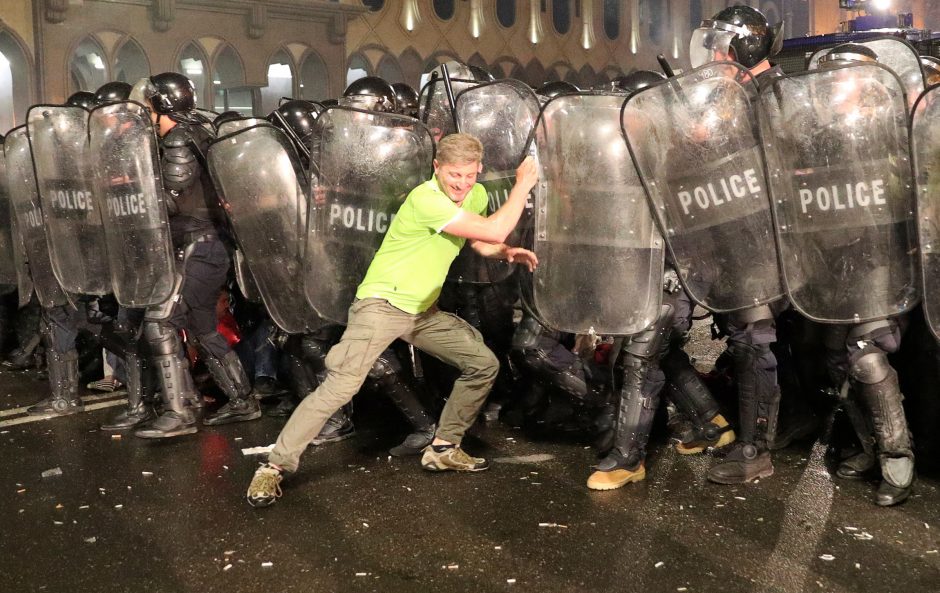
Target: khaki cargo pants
column 373, row 325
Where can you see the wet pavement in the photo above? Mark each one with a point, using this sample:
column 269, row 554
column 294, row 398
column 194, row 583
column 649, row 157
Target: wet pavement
column 132, row 515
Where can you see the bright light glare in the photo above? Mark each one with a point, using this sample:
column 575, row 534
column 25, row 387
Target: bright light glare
column 882, row 4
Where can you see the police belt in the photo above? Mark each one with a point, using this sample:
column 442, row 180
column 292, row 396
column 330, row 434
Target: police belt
column 199, row 237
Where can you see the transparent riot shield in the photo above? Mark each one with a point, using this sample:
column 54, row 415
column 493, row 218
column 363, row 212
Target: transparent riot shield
column 21, row 181
column 434, row 105
column 8, row 273
column 363, row 166
column 925, row 143
column 841, row 180
column 695, row 143
column 600, row 254
column 898, row 55
column 132, row 204
column 58, row 136
column 24, row 280
column 264, row 193
column 234, row 125
column 501, row 115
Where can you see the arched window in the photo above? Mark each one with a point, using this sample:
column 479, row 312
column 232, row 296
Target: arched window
column 506, row 12
column 612, row 19
column 358, row 68
column 228, row 83
column 444, row 9
column 561, row 15
column 374, row 5
column 130, row 63
column 87, row 68
column 15, row 75
column 314, row 78
column 390, row 70
column 193, row 65
column 280, row 81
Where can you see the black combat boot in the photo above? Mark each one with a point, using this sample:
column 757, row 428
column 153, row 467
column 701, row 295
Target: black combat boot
column 895, row 456
column 63, row 380
column 338, row 427
column 139, row 410
column 230, row 376
column 407, row 402
column 706, row 426
column 758, row 404
column 177, row 418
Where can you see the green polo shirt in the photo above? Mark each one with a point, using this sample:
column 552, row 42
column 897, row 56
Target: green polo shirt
column 410, row 267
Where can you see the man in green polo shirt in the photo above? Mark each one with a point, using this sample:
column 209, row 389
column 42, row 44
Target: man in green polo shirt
column 396, row 300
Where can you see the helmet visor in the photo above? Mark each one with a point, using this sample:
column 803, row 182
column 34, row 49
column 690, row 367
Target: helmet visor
column 364, row 102
column 710, row 45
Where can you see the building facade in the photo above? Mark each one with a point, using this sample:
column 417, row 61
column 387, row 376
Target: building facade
column 247, row 54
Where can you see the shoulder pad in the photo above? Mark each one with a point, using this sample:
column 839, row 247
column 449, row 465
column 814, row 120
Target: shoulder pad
column 181, row 135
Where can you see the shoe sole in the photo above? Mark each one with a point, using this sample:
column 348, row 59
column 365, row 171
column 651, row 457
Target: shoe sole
column 258, row 504
column 233, row 419
column 438, row 469
column 168, row 435
column 52, row 414
column 603, row 486
column 114, row 428
column 893, row 502
column 731, row 481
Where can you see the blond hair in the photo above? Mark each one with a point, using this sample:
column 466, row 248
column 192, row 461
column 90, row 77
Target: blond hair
column 459, row 149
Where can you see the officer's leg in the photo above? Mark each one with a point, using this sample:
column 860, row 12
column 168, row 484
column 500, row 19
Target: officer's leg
column 60, row 329
column 315, row 348
column 643, row 381
column 391, row 379
column 877, row 384
column 122, row 337
column 695, row 403
column 750, row 334
column 29, row 334
column 205, row 270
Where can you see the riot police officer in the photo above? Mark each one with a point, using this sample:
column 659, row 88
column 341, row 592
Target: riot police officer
column 195, row 225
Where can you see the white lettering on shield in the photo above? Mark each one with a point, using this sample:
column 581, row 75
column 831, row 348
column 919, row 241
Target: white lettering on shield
column 863, row 194
column 360, row 219
column 34, row 218
column 715, row 194
column 127, row 204
column 72, row 200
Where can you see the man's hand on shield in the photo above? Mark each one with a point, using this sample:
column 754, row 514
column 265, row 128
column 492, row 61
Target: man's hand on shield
column 518, row 255
column 527, row 175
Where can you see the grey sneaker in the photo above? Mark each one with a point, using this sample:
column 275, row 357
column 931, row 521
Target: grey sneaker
column 451, row 458
column 414, row 443
column 265, row 487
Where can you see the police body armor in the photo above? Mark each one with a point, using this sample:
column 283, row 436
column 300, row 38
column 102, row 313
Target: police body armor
column 131, row 201
column 838, row 158
column 600, row 254
column 695, row 143
column 363, row 165
column 58, row 137
column 264, row 193
column 898, row 55
column 501, row 115
column 24, row 195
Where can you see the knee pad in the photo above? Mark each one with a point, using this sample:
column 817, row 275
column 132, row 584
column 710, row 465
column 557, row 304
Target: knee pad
column 211, row 344
column 385, row 369
column 648, row 344
column 871, row 367
column 162, row 338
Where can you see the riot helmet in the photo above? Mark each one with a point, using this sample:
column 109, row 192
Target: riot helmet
column 295, row 117
column 738, row 33
column 550, row 90
column 225, row 116
column 113, row 91
column 846, row 53
column 171, row 93
column 407, row 99
column 83, row 99
column 637, row 81
column 480, row 74
column 371, row 94
column 931, row 66
column 329, row 103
